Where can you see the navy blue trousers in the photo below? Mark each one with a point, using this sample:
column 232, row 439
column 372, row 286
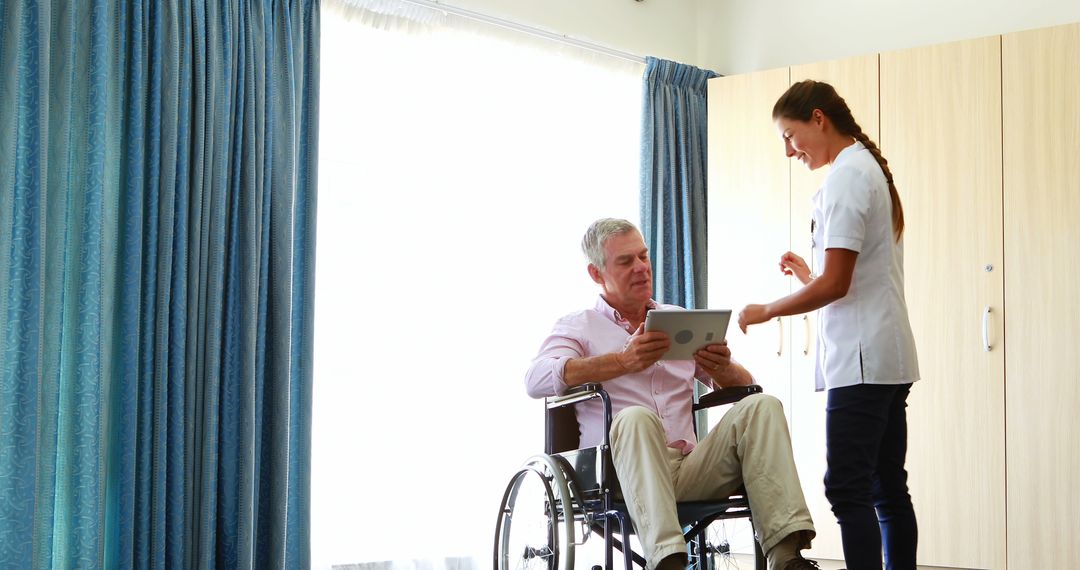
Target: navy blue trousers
column 866, row 483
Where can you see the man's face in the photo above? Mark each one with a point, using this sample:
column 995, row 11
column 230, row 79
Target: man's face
column 627, row 273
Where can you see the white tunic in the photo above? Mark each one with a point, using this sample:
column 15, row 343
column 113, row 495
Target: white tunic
column 865, row 337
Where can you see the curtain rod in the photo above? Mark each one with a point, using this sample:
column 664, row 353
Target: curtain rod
column 531, row 30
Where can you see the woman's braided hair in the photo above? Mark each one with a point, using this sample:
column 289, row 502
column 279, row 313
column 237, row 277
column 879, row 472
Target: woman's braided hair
column 798, row 104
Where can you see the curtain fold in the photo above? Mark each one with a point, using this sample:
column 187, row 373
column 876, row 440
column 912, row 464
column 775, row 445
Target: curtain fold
column 156, row 282
column 673, row 179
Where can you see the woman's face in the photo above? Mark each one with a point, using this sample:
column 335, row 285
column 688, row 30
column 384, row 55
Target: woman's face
column 805, row 140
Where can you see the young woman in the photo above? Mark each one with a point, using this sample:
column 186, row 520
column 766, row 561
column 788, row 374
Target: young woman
column 865, row 351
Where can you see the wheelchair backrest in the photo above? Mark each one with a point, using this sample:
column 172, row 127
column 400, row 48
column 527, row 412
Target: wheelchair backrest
column 562, row 438
column 561, row 432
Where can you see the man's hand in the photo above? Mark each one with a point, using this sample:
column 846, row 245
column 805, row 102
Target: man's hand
column 642, row 350
column 713, row 358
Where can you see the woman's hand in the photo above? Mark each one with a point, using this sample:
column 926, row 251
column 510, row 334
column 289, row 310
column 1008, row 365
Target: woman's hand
column 791, row 264
column 752, row 315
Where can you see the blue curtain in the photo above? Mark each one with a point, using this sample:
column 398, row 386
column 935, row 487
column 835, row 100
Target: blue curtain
column 673, row 168
column 157, row 162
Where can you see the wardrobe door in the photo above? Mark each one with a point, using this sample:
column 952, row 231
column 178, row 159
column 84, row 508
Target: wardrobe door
column 1041, row 83
column 748, row 218
column 856, row 80
column 941, row 133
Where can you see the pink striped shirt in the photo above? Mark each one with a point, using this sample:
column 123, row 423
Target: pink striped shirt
column 666, row 387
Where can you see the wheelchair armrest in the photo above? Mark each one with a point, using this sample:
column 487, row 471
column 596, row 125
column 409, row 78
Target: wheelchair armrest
column 728, row 395
column 577, row 394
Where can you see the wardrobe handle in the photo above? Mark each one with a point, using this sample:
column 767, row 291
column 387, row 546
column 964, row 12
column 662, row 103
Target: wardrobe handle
column 780, row 347
column 806, row 345
column 986, row 329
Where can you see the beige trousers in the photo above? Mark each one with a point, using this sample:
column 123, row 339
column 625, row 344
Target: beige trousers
column 750, row 447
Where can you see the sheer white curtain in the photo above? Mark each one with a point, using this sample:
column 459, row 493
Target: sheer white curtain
column 458, row 168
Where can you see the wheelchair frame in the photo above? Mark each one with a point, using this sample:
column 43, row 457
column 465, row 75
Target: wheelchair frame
column 581, row 488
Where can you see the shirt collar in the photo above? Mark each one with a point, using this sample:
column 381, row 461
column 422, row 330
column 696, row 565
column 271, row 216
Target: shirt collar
column 615, row 316
column 847, row 152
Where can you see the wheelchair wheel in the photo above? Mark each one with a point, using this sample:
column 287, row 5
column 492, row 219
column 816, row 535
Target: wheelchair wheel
column 535, row 529
column 724, row 539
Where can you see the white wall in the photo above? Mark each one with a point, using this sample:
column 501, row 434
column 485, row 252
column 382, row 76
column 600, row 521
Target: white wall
column 737, row 36
column 660, row 28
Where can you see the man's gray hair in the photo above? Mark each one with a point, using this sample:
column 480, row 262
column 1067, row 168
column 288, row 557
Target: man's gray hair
column 598, row 233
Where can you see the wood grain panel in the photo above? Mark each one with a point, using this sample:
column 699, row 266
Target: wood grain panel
column 941, row 133
column 748, row 216
column 748, row 229
column 1041, row 119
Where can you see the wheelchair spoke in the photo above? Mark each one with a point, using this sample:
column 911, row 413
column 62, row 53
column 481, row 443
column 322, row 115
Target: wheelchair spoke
column 526, row 538
column 724, row 539
column 541, row 557
column 536, row 521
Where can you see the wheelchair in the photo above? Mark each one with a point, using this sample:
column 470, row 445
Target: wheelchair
column 562, row 497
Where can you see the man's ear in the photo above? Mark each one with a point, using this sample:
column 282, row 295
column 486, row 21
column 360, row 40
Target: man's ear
column 595, row 274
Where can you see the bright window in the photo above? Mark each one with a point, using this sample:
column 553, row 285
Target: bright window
column 457, row 172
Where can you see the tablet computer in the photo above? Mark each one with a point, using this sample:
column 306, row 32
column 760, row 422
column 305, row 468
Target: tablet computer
column 689, row 330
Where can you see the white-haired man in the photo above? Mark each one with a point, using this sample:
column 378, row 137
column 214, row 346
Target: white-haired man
column 657, row 456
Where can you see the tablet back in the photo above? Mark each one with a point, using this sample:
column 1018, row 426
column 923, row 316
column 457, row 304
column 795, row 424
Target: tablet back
column 689, row 329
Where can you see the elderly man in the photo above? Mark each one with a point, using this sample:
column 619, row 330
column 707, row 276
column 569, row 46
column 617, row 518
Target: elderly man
column 657, row 456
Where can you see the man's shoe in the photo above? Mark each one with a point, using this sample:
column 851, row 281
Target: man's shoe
column 800, row 563
column 673, row 562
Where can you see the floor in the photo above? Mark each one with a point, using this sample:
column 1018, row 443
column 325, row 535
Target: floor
column 741, row 562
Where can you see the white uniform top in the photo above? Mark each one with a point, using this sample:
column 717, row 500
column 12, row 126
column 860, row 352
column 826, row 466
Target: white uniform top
column 865, row 337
